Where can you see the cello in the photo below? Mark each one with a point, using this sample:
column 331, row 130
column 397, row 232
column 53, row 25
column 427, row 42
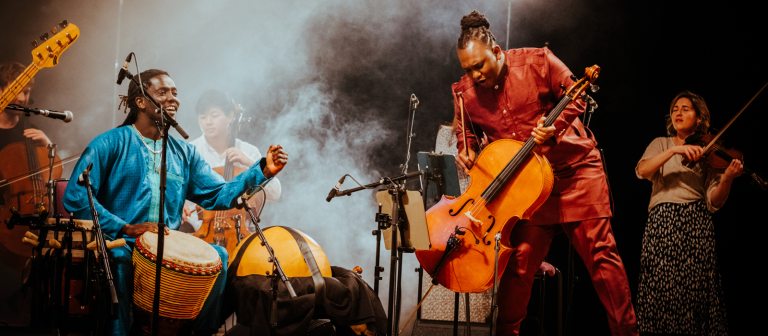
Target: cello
column 29, row 196
column 509, row 182
column 225, row 227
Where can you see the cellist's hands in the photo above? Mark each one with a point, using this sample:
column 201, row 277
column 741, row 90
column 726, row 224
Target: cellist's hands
column 276, row 160
column 540, row 133
column 466, row 159
column 37, row 136
column 235, row 155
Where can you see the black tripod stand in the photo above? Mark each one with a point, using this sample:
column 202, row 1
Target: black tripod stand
column 396, row 190
column 277, row 269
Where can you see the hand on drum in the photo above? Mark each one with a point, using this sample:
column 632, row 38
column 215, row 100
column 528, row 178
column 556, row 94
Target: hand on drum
column 276, row 160
column 135, row 230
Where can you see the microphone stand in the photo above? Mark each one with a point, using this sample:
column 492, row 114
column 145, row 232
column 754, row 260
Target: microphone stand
column 383, row 223
column 414, row 103
column 50, row 185
column 101, row 246
column 396, row 252
column 164, row 125
column 277, row 269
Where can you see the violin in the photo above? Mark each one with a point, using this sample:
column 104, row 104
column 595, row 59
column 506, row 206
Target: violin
column 509, row 182
column 716, row 155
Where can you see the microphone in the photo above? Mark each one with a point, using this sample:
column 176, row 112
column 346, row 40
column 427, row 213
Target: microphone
column 124, row 70
column 335, row 190
column 65, row 116
column 414, row 101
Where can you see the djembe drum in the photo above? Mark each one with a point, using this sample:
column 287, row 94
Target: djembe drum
column 190, row 268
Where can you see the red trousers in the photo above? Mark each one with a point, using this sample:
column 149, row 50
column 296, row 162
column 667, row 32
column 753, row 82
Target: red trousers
column 593, row 241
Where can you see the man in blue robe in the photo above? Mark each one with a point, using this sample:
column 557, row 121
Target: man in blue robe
column 125, row 179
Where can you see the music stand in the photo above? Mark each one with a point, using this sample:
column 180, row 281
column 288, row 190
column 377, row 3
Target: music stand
column 442, row 176
column 413, row 229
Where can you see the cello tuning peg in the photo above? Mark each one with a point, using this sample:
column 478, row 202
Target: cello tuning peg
column 594, row 88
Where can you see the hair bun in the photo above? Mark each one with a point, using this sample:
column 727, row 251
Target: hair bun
column 474, row 20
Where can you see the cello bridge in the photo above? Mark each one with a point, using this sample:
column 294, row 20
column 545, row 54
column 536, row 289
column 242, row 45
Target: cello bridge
column 473, row 219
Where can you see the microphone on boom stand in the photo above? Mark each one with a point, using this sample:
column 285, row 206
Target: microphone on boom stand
column 335, row 191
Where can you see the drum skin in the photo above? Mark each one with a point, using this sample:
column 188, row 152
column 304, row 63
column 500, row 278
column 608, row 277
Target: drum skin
column 256, row 258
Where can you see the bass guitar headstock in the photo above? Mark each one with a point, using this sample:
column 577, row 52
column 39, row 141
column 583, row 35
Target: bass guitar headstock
column 47, row 51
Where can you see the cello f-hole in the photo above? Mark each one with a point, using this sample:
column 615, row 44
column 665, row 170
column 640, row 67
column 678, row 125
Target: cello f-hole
column 485, row 235
column 454, row 213
column 460, row 231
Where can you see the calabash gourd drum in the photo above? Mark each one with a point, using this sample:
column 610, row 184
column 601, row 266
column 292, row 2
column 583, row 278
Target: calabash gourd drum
column 256, row 258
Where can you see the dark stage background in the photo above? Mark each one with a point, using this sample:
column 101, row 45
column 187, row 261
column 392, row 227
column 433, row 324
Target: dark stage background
column 331, row 82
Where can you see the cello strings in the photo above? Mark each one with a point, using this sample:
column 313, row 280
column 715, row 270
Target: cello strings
column 514, row 165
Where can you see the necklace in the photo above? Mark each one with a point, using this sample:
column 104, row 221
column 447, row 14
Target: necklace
column 146, row 144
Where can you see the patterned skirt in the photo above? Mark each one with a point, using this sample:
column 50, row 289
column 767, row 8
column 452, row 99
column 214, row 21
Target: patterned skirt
column 680, row 290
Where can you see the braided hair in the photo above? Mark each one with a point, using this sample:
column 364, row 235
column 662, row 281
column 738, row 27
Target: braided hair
column 135, row 91
column 474, row 26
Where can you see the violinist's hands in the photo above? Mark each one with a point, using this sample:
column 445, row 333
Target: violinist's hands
column 734, row 169
column 37, row 136
column 135, row 230
column 540, row 133
column 276, row 160
column 235, row 155
column 466, row 159
column 689, row 152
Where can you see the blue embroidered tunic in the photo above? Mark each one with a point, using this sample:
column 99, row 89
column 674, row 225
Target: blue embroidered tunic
column 125, row 178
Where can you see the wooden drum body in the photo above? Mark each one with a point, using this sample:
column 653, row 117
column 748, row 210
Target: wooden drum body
column 190, row 268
